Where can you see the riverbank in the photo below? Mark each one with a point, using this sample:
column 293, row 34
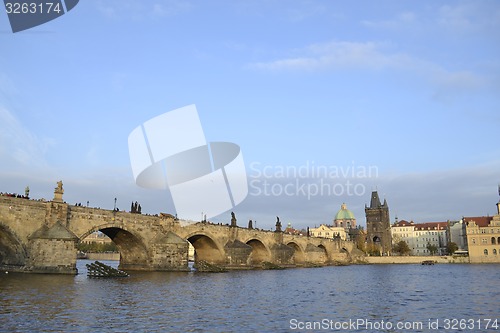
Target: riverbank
column 416, row 260
column 103, row 256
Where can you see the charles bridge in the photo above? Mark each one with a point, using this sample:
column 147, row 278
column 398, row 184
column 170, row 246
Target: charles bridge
column 41, row 237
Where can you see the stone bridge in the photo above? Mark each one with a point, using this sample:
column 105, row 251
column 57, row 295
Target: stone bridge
column 41, row 237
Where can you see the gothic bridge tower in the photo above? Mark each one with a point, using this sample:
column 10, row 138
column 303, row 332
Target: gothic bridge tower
column 378, row 225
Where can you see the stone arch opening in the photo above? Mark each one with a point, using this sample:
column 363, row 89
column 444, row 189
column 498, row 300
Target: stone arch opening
column 493, row 240
column 376, row 240
column 325, row 252
column 12, row 252
column 133, row 252
column 298, row 254
column 259, row 252
column 206, row 249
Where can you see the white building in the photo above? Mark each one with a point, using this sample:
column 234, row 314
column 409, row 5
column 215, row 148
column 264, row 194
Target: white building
column 403, row 231
column 419, row 236
column 325, row 231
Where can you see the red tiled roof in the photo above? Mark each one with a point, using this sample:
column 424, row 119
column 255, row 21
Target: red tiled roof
column 293, row 231
column 481, row 221
column 404, row 223
column 431, row 226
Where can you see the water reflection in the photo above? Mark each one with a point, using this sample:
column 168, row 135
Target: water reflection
column 244, row 300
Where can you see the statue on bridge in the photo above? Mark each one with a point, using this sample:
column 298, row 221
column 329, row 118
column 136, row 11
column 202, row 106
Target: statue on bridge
column 233, row 220
column 135, row 208
column 250, row 224
column 278, row 224
column 58, row 192
column 59, row 188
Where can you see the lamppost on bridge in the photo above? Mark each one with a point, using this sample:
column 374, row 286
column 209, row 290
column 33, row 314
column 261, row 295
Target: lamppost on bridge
column 115, row 206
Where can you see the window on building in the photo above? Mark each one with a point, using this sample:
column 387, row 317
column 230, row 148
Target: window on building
column 485, row 252
column 484, row 241
column 493, row 240
column 495, row 251
column 473, row 241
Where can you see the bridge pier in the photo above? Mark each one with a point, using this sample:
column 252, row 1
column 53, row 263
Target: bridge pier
column 52, row 250
column 169, row 253
column 237, row 254
column 315, row 254
column 282, row 254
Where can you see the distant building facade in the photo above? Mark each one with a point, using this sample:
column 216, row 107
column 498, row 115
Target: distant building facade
column 419, row 236
column 457, row 234
column 292, row 231
column 430, row 233
column 343, row 227
column 378, row 225
column 326, row 231
column 404, row 231
column 483, row 238
column 98, row 238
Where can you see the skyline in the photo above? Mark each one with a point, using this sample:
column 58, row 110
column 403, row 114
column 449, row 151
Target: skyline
column 408, row 89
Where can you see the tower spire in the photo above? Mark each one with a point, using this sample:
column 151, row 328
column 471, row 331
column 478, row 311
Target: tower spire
column 375, row 201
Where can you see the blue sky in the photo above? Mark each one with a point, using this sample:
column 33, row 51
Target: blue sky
column 411, row 88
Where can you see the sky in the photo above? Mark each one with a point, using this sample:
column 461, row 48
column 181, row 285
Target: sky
column 328, row 101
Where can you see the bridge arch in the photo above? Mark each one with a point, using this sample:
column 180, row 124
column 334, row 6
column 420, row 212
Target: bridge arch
column 260, row 252
column 206, row 248
column 322, row 247
column 12, row 252
column 298, row 254
column 132, row 248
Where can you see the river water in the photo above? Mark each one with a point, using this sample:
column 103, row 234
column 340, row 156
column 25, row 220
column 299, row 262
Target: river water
column 359, row 298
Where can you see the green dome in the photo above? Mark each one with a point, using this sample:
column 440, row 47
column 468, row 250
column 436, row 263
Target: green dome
column 344, row 214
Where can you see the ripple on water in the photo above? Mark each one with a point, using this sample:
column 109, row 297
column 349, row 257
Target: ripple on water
column 248, row 301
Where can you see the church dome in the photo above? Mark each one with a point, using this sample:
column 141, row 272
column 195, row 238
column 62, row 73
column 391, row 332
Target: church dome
column 344, row 214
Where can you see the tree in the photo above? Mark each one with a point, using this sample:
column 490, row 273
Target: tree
column 451, row 247
column 402, row 248
column 432, row 249
column 97, row 247
column 373, row 249
column 360, row 242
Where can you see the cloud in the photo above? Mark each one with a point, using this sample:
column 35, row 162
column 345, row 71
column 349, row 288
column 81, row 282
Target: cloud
column 338, row 55
column 170, row 8
column 373, row 56
column 455, row 17
column 471, row 16
column 402, row 20
column 7, row 87
column 422, row 197
column 305, row 11
column 18, row 145
column 137, row 10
